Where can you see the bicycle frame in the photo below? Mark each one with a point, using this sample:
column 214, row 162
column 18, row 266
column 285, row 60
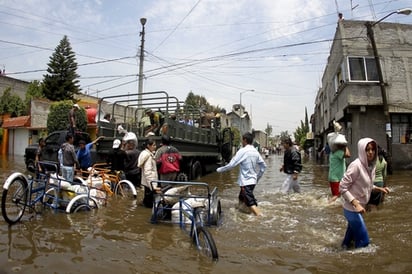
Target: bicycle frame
column 20, row 191
column 117, row 184
column 30, row 189
column 194, row 211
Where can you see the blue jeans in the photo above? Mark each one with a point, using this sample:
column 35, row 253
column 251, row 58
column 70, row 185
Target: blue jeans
column 356, row 230
column 68, row 173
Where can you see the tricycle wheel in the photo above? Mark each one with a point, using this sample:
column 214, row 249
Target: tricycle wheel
column 205, row 243
column 126, row 189
column 82, row 207
column 14, row 200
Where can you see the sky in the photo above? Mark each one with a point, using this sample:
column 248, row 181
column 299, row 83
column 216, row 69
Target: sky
column 268, row 54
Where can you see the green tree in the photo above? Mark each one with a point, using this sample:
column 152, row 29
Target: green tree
column 58, row 118
column 284, row 135
column 61, row 82
column 11, row 103
column 200, row 102
column 269, row 130
column 301, row 132
column 34, row 91
column 237, row 139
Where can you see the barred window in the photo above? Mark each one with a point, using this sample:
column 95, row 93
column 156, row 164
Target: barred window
column 401, row 128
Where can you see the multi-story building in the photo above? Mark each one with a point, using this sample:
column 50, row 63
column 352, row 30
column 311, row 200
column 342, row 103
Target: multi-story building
column 238, row 118
column 356, row 93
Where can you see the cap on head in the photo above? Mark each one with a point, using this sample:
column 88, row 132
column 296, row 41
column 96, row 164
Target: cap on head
column 148, row 110
column 130, row 136
column 82, row 142
column 76, row 106
column 117, row 143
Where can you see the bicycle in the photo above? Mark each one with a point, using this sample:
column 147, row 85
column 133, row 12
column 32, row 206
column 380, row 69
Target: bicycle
column 177, row 203
column 117, row 183
column 45, row 189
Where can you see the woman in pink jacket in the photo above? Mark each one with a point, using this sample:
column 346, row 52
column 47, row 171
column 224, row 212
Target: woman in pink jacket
column 356, row 187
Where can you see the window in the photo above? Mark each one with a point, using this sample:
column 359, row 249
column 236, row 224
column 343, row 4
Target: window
column 401, row 128
column 362, row 69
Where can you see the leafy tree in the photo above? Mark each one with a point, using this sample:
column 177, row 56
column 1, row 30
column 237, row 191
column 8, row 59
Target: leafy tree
column 61, row 82
column 58, row 118
column 301, row 132
column 34, row 91
column 200, row 102
column 237, row 139
column 11, row 103
column 284, row 135
column 269, row 130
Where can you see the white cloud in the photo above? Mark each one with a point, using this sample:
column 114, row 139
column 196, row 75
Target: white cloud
column 285, row 76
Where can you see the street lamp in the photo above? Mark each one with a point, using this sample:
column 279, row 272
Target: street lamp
column 240, row 108
column 369, row 30
column 140, row 88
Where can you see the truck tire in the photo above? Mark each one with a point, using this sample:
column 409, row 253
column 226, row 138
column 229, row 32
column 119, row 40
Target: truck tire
column 31, row 166
column 196, row 171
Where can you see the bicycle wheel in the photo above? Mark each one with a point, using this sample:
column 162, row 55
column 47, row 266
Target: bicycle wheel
column 126, row 190
column 205, row 243
column 14, row 200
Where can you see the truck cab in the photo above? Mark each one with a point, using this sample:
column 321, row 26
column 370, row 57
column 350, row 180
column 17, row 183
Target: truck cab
column 53, row 143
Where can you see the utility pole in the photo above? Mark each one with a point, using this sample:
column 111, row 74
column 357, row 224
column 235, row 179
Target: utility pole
column 371, row 35
column 141, row 59
column 241, row 110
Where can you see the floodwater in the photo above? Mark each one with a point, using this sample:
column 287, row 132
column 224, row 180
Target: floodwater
column 299, row 233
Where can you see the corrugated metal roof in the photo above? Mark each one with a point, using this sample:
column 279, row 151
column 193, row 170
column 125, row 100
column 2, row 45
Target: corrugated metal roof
column 21, row 121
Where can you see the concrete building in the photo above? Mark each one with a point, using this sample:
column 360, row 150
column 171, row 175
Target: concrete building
column 261, row 138
column 16, row 86
column 355, row 94
column 238, row 118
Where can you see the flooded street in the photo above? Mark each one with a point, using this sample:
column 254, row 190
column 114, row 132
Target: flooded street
column 298, row 233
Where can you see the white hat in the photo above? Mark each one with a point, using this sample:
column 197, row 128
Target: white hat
column 116, row 143
column 130, row 136
column 76, row 106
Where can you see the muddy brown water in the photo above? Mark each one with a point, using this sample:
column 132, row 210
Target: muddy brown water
column 299, row 233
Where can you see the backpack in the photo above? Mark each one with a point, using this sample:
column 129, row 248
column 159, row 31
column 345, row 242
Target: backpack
column 170, row 161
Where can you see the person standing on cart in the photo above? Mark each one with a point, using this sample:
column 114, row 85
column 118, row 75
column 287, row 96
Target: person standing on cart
column 252, row 167
column 69, row 158
column 72, row 118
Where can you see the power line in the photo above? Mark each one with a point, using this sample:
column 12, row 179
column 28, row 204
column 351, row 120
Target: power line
column 184, row 18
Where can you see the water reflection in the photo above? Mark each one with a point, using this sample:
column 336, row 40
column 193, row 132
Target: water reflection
column 298, row 232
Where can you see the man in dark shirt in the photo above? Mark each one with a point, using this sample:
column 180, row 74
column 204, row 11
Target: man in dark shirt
column 117, row 157
column 131, row 169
